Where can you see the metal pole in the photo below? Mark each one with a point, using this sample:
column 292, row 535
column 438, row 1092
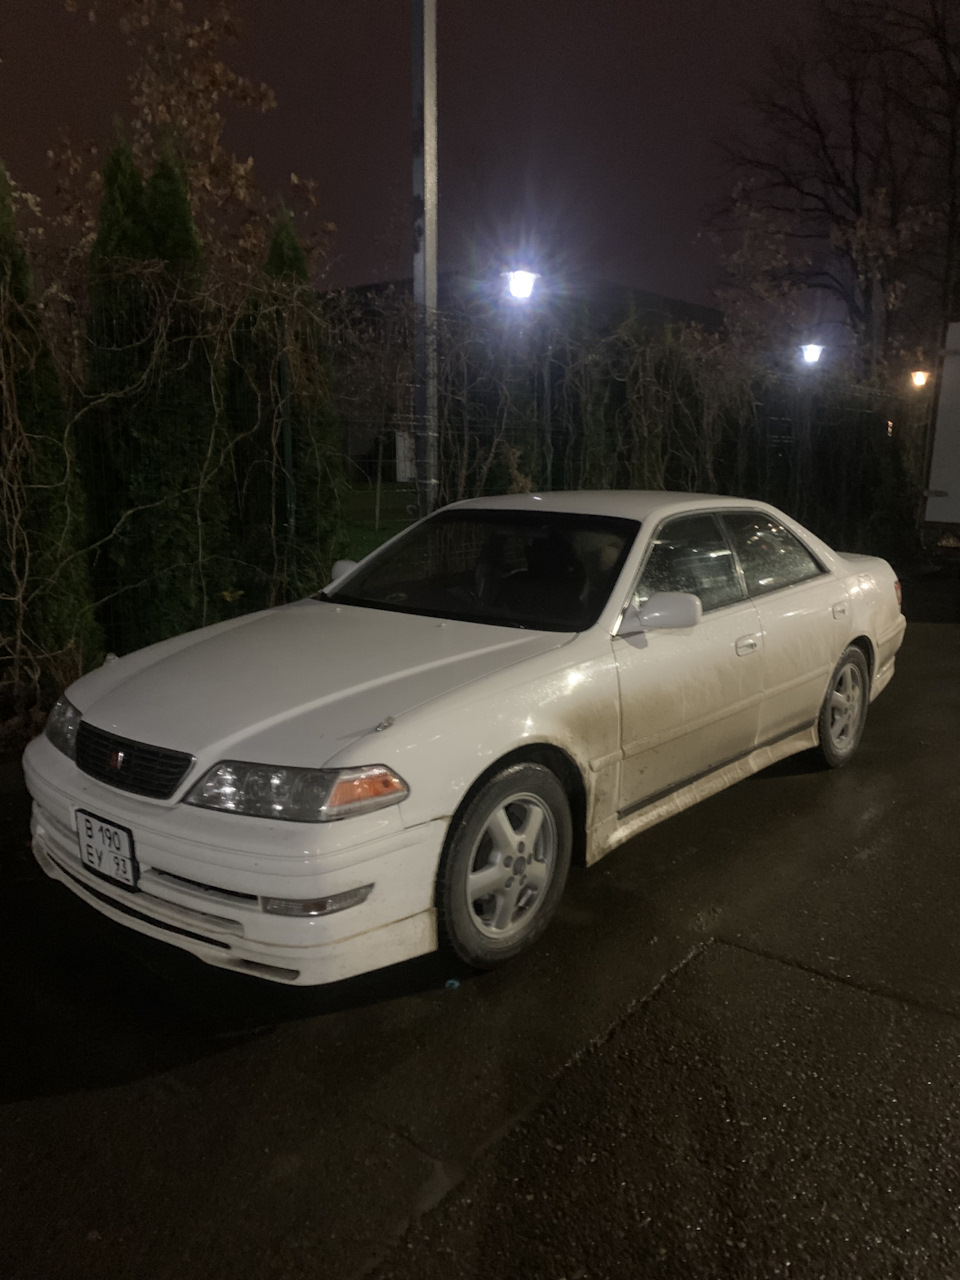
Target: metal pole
column 547, row 477
column 425, row 251
column 286, row 431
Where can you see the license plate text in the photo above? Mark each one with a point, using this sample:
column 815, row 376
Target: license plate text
column 106, row 848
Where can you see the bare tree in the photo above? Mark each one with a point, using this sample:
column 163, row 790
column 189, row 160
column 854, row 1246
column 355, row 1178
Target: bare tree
column 846, row 189
column 919, row 44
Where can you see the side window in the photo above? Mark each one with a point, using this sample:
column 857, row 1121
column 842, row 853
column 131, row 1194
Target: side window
column 691, row 554
column 770, row 555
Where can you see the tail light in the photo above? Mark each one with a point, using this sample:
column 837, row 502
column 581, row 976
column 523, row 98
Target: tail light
column 896, row 587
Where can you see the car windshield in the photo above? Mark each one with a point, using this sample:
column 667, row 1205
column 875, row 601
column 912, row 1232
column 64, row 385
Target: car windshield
column 548, row 571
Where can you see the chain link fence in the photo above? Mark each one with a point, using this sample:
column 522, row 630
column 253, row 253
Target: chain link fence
column 197, row 457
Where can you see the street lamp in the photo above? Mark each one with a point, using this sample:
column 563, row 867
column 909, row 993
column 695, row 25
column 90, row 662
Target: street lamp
column 811, row 352
column 521, row 283
column 920, row 377
column 425, row 356
column 520, row 289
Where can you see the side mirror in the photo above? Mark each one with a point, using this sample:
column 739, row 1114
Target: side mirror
column 342, row 567
column 664, row 611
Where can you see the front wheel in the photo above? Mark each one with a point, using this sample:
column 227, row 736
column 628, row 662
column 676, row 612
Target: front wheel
column 504, row 865
column 844, row 710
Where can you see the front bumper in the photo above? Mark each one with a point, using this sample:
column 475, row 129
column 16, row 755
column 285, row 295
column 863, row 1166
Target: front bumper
column 203, row 874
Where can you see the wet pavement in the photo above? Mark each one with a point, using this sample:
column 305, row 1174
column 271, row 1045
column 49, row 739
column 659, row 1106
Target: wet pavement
column 753, row 1119
column 735, row 1054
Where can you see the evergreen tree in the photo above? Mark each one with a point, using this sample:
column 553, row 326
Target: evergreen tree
column 286, row 259
column 287, row 440
column 173, row 236
column 249, row 399
column 14, row 268
column 47, row 630
column 310, row 436
column 120, row 348
column 154, row 445
column 124, row 233
column 184, row 467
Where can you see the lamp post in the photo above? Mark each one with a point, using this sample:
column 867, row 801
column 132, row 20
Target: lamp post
column 425, row 375
column 799, row 475
column 521, row 288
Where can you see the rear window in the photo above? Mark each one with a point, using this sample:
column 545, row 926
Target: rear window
column 770, row 555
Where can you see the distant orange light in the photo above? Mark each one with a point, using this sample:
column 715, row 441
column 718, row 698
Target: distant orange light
column 919, row 377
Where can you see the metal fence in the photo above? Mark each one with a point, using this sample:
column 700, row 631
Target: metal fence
column 210, row 459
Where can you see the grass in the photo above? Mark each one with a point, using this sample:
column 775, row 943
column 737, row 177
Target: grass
column 365, row 528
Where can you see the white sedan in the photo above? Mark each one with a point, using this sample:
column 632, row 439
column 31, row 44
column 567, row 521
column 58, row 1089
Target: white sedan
column 411, row 757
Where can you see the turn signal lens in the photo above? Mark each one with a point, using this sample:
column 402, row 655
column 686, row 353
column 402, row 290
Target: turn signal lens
column 359, row 790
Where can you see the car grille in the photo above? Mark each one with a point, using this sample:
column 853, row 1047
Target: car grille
column 130, row 766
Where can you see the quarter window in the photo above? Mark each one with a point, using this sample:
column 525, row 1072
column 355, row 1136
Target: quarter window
column 691, row 554
column 770, row 555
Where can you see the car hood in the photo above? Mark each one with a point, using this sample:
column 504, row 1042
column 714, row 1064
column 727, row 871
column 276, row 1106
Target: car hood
column 294, row 685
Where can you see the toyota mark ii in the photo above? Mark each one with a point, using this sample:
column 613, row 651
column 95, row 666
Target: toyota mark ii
column 410, row 758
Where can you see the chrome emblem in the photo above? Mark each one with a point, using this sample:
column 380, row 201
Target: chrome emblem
column 116, row 760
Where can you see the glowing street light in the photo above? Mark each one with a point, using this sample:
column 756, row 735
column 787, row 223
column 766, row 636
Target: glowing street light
column 520, row 284
column 811, row 352
column 920, row 377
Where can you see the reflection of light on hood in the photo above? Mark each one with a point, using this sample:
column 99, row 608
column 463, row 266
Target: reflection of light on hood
column 574, row 678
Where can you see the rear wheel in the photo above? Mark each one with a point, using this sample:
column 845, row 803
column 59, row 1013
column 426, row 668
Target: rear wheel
column 844, row 710
column 504, row 865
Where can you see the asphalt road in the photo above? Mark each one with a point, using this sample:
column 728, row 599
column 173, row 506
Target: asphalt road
column 736, row 1053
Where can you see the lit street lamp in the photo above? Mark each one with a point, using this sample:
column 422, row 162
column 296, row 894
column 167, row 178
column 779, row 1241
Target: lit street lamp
column 920, row 377
column 811, row 352
column 520, row 284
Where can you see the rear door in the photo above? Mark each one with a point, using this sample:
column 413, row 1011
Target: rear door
column 805, row 614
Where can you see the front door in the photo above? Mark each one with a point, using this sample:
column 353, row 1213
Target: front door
column 690, row 699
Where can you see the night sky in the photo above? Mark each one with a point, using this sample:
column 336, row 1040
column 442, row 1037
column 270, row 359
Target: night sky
column 583, row 130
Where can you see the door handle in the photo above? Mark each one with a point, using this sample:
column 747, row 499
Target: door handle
column 745, row 645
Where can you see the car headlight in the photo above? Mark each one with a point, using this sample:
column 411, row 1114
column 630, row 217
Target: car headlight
column 297, row 795
column 62, row 725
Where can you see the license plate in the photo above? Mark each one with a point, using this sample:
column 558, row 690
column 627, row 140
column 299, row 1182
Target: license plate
column 107, row 849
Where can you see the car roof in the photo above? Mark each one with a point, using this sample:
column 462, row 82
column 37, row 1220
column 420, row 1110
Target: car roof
column 635, row 504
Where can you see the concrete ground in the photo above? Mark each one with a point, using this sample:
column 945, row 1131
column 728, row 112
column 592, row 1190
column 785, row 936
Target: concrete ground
column 736, row 1053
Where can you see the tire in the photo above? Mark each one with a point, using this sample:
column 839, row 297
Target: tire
column 844, row 710
column 504, row 866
